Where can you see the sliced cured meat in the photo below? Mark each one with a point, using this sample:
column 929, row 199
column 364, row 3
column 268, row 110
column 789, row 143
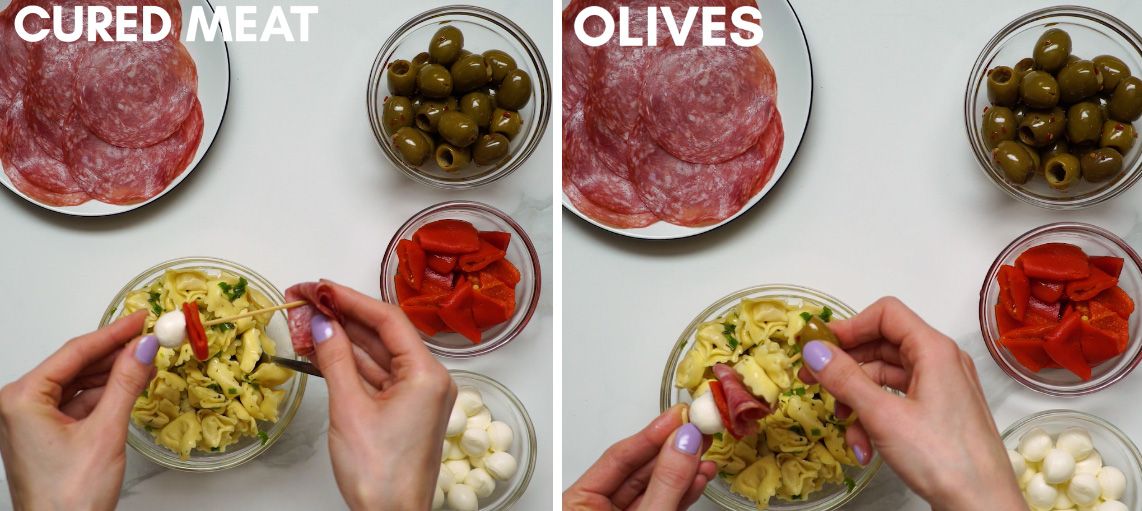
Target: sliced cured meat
column 120, row 175
column 694, row 194
column 50, row 101
column 589, row 172
column 698, row 112
column 576, row 63
column 744, row 408
column 320, row 298
column 611, row 149
column 586, row 206
column 135, row 94
column 23, row 154
column 41, row 195
column 13, row 56
column 771, row 143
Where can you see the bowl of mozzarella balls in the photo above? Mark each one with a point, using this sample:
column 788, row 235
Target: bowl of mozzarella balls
column 489, row 449
column 1068, row 460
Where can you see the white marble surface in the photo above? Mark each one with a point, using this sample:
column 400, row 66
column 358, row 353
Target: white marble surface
column 883, row 198
column 296, row 188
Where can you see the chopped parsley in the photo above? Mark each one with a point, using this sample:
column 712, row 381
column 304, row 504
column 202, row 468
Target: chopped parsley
column 826, row 314
column 816, row 431
column 724, row 474
column 156, row 307
column 148, row 428
column 728, row 330
column 850, row 484
column 146, row 393
column 255, row 385
column 718, row 435
column 222, row 327
column 215, row 387
column 806, row 316
column 796, row 428
column 265, row 438
column 231, row 391
column 236, row 291
column 799, row 391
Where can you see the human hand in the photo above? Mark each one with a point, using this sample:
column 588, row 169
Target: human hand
column 63, row 426
column 389, row 401
column 658, row 468
column 940, row 437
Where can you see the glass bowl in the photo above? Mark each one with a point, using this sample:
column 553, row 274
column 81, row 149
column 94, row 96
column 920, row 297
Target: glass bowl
column 1092, row 33
column 483, row 30
column 1116, row 449
column 1060, row 382
column 832, row 496
column 505, row 406
column 520, row 252
column 247, row 448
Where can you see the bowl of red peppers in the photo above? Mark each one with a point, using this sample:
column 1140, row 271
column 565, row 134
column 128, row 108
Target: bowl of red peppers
column 466, row 275
column 1057, row 309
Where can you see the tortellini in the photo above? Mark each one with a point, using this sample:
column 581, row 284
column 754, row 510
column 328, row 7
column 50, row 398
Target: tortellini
column 800, row 446
column 209, row 406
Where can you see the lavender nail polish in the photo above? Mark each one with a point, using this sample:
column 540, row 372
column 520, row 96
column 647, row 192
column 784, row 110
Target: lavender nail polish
column 816, row 355
column 321, row 328
column 861, row 456
column 146, row 349
column 688, row 439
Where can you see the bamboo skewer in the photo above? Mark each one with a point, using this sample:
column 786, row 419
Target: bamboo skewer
column 232, row 319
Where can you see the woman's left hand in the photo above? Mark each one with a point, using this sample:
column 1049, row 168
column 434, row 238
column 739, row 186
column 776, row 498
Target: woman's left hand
column 63, row 426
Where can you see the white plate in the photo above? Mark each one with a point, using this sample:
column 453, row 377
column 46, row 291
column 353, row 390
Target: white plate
column 213, row 61
column 785, row 45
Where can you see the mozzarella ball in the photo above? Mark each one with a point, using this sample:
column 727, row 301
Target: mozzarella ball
column 1090, row 464
column 1111, row 505
column 444, row 478
column 1058, row 466
column 1040, row 494
column 462, row 498
column 1112, row 483
column 1075, row 441
column 475, row 442
column 704, row 414
column 1025, row 478
column 457, row 422
column 454, row 452
column 1034, row 444
column 469, row 400
column 444, row 451
column 170, row 329
column 459, row 468
column 477, row 462
column 1018, row 464
column 1084, row 489
column 480, row 482
column 500, row 465
column 438, row 499
column 1063, row 502
column 481, row 420
column 501, row 435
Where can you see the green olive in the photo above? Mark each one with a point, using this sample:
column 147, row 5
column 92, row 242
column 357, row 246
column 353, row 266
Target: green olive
column 816, row 329
column 446, row 45
column 479, row 107
column 429, row 114
column 457, row 129
column 998, row 125
column 451, row 158
column 421, row 59
column 1052, row 49
column 1039, row 90
column 1003, row 86
column 1015, row 161
column 1117, row 135
column 1020, row 112
column 1084, row 123
column 1062, row 170
column 1126, row 102
column 469, row 72
column 434, row 81
column 1112, row 69
column 1041, row 128
column 490, row 148
column 1023, row 66
column 1059, row 147
column 413, row 145
column 515, row 90
column 1101, row 164
column 1077, row 81
column 397, row 113
column 401, row 75
column 507, row 122
column 1036, row 160
column 501, row 63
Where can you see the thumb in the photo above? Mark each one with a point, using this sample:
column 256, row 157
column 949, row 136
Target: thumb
column 335, row 359
column 843, row 378
column 130, row 374
column 674, row 469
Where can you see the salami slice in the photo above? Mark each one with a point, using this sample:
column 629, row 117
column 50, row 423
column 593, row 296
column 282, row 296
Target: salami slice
column 588, row 171
column 135, row 94
column 745, row 409
column 320, row 298
column 576, row 63
column 771, row 143
column 587, row 206
column 697, row 111
column 22, row 153
column 13, row 56
column 120, row 175
column 41, row 195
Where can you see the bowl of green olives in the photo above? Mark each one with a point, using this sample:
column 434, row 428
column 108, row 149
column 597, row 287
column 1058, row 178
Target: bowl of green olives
column 1052, row 107
column 458, row 97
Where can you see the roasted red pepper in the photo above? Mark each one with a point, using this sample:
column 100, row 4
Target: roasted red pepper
column 503, row 270
column 456, row 312
column 1014, row 291
column 1116, row 300
column 441, row 263
column 1054, row 261
column 437, row 283
column 448, row 237
column 480, row 259
column 1098, row 345
column 723, row 406
column 1096, row 282
column 1028, row 352
column 1051, row 312
column 1109, row 264
column 1065, row 347
column 1047, row 291
column 498, row 239
column 195, row 332
column 1109, row 321
column 1004, row 321
column 423, row 313
column 493, row 302
column 404, row 289
column 1032, row 332
column 411, row 261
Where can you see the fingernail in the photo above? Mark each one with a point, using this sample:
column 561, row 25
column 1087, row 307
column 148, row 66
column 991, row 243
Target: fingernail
column 688, row 439
column 862, row 457
column 842, row 411
column 816, row 355
column 146, row 349
column 321, row 327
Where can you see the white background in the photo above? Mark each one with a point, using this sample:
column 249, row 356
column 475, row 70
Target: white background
column 296, row 188
column 883, row 198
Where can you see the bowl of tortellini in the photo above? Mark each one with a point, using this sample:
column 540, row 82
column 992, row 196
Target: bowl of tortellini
column 204, row 416
column 798, row 459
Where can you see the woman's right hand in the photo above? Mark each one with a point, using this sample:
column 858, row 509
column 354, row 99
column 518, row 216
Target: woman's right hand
column 940, row 437
column 389, row 401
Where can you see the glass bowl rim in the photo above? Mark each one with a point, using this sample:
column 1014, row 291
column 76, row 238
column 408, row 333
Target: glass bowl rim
column 1030, row 420
column 972, row 128
column 505, row 337
column 543, row 93
column 223, row 462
